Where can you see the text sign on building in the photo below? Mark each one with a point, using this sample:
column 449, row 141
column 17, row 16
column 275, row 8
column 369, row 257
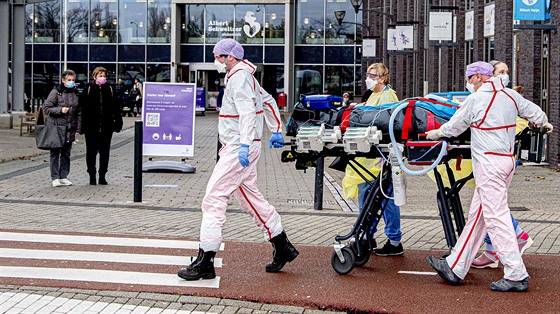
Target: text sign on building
column 489, row 17
column 469, row 25
column 530, row 10
column 441, row 26
column 251, row 28
column 368, row 47
column 400, row 38
column 168, row 119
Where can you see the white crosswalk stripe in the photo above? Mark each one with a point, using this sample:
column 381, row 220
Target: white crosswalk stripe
column 138, row 251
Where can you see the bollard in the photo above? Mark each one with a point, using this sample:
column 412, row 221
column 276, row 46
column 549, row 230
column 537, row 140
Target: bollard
column 319, row 171
column 138, row 161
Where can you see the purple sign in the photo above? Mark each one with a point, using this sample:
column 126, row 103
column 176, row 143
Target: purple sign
column 200, row 99
column 168, row 119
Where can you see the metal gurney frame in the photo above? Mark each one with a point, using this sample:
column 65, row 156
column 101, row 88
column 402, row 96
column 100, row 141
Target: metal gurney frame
column 357, row 250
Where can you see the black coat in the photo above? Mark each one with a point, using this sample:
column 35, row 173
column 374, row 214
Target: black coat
column 101, row 111
column 58, row 98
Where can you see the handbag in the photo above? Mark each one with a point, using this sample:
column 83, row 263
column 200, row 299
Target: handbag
column 49, row 136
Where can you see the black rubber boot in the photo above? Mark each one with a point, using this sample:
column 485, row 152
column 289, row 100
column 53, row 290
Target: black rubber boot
column 284, row 252
column 201, row 268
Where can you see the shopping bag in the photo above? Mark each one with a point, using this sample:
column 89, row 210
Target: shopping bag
column 49, row 136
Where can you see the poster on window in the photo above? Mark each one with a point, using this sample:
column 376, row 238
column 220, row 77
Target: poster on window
column 168, row 119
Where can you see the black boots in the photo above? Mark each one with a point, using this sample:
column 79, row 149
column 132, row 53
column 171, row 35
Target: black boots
column 201, row 268
column 102, row 180
column 92, row 179
column 284, row 252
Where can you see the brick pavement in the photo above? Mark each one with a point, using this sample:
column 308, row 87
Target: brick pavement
column 171, row 201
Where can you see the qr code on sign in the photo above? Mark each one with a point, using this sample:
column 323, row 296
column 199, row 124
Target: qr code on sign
column 152, row 119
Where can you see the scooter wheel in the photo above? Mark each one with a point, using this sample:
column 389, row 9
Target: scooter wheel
column 349, row 260
column 361, row 260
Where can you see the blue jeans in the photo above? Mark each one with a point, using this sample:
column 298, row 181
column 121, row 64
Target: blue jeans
column 515, row 224
column 391, row 214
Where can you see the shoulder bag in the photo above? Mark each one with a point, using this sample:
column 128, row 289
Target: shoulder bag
column 49, row 136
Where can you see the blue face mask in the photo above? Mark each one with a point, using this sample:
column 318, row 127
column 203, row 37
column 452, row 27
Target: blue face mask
column 70, row 84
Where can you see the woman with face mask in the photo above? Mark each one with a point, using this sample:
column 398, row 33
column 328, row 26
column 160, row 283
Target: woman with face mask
column 62, row 108
column 377, row 81
column 101, row 117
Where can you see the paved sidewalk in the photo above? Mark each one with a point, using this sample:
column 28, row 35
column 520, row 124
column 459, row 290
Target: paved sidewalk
column 171, row 208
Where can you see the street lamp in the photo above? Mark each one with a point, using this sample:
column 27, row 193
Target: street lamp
column 339, row 15
column 356, row 4
column 137, row 25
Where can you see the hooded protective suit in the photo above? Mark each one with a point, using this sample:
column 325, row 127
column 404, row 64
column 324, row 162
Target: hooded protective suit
column 241, row 121
column 491, row 114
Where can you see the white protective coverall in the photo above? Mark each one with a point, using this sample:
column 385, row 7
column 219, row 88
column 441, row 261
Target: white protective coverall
column 491, row 114
column 240, row 122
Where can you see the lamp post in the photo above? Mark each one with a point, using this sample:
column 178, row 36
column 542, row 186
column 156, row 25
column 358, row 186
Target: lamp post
column 356, row 4
column 339, row 15
column 135, row 24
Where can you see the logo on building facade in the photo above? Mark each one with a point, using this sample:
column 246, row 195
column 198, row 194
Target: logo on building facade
column 252, row 27
column 529, row 2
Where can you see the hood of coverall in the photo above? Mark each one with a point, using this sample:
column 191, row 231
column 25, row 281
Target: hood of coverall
column 491, row 85
column 243, row 65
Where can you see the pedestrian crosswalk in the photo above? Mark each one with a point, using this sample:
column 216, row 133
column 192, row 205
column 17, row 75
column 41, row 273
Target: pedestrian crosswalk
column 98, row 259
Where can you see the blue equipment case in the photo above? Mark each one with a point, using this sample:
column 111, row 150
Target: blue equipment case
column 318, row 102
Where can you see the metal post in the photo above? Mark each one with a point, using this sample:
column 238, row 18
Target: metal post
column 319, row 170
column 138, row 161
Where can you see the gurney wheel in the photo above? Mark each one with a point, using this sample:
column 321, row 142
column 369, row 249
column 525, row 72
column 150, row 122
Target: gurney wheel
column 361, row 260
column 349, row 260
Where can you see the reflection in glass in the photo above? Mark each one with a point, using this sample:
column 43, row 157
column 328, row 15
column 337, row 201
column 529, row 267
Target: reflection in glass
column 129, row 71
column 275, row 24
column 102, row 15
column 249, row 24
column 159, row 21
column 339, row 79
column 192, row 23
column 310, row 22
column 158, row 73
column 46, row 22
column 220, row 23
column 132, row 21
column 45, row 77
column 29, row 24
column 77, row 25
column 309, row 80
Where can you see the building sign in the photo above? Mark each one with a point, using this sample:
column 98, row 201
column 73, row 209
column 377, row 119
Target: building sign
column 441, row 26
column 469, row 25
column 530, row 10
column 405, row 38
column 251, row 27
column 392, row 39
column 200, row 100
column 489, row 14
column 368, row 48
column 168, row 119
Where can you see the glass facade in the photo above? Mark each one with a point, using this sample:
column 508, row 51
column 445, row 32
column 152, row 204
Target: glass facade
column 133, row 38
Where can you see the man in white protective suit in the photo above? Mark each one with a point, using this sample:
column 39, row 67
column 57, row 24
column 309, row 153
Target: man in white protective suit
column 240, row 128
column 490, row 112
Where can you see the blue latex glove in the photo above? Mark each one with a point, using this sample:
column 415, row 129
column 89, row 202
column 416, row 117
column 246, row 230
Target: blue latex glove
column 276, row 140
column 243, row 155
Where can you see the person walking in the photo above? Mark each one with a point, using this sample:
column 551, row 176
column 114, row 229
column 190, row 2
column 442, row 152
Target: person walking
column 101, row 117
column 489, row 258
column 240, row 130
column 62, row 107
column 135, row 95
column 378, row 82
column 490, row 112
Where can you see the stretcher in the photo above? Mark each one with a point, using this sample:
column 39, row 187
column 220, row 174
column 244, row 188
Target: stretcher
column 314, row 142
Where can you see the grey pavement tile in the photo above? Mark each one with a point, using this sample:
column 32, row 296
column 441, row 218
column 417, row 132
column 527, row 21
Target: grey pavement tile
column 199, row 300
column 203, row 307
column 159, row 296
column 282, row 308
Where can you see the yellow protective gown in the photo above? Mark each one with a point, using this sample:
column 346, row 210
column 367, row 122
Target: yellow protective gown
column 351, row 178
